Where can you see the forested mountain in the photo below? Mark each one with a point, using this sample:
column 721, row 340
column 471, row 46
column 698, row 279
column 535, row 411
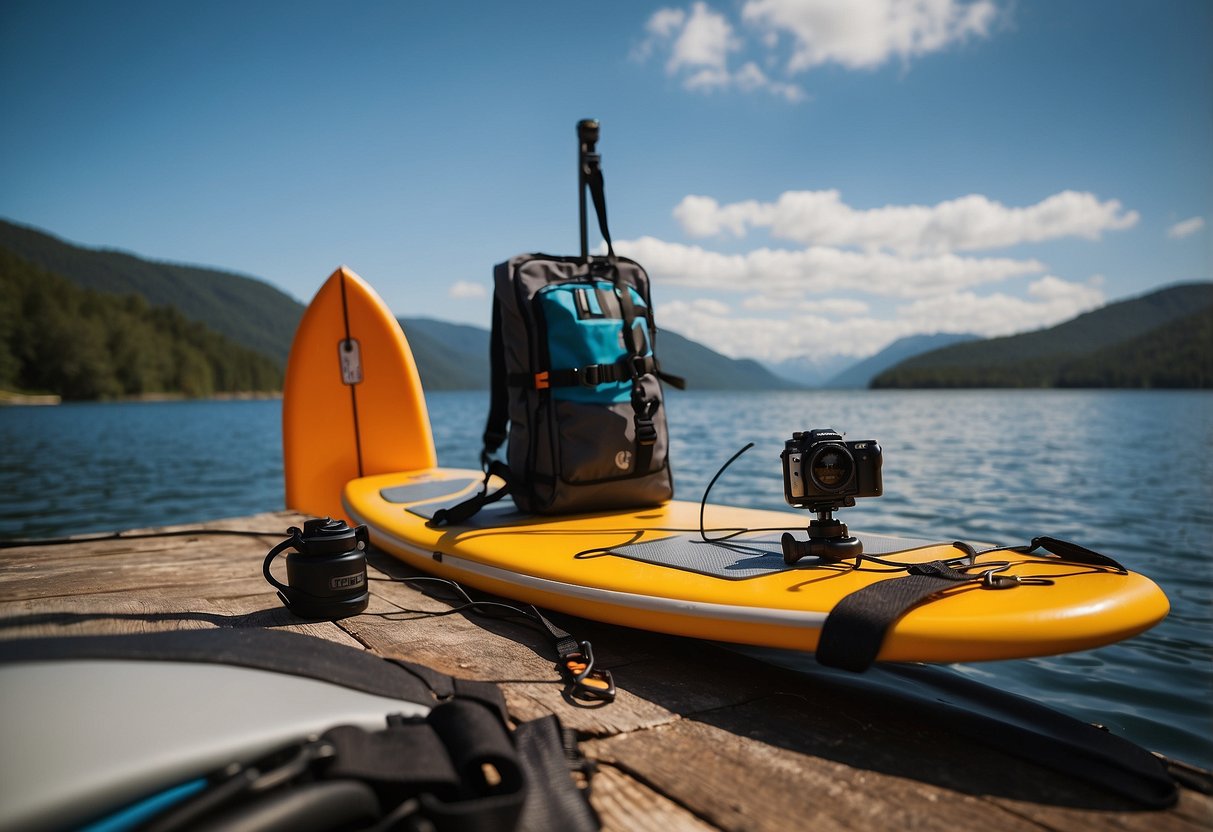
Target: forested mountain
column 1154, row 340
column 449, row 356
column 248, row 311
column 1175, row 355
column 56, row 337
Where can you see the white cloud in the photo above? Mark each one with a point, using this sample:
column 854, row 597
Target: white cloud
column 817, row 328
column 901, row 274
column 705, row 39
column 1186, row 228
column 1050, row 301
column 699, row 44
column 864, row 34
column 835, row 307
column 968, row 223
column 856, row 34
column 665, row 21
column 463, row 290
column 819, row 270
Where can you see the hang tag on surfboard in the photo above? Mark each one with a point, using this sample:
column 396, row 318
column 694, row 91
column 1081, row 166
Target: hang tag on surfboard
column 350, row 355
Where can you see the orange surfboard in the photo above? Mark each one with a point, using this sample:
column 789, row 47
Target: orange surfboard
column 352, row 401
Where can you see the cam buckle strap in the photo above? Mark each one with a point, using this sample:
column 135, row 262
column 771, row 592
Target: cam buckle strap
column 575, row 662
column 590, row 375
column 585, row 682
column 456, row 514
column 855, row 629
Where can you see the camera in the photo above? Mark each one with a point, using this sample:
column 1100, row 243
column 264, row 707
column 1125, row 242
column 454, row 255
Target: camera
column 821, row 470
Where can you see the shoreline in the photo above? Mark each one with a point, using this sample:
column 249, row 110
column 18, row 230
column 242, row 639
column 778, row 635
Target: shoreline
column 9, row 398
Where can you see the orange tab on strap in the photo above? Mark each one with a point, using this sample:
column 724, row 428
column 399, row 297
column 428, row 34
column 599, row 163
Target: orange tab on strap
column 541, row 381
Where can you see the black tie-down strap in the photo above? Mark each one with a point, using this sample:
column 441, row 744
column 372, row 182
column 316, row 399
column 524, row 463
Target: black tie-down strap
column 855, row 629
column 459, row 768
column 461, row 512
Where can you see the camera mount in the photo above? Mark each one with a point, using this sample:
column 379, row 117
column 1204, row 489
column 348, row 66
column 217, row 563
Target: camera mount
column 828, row 537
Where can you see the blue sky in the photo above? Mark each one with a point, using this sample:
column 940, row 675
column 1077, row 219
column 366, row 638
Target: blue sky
column 800, row 177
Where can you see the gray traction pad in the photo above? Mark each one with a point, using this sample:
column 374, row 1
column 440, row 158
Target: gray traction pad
column 425, row 490
column 744, row 557
column 735, row 559
column 494, row 514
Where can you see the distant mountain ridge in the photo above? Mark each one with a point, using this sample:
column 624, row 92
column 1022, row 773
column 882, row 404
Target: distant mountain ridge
column 860, row 374
column 258, row 316
column 810, row 370
column 1092, row 350
column 1154, row 340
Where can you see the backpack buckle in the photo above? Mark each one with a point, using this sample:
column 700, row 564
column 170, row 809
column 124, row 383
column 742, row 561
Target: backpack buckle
column 590, row 376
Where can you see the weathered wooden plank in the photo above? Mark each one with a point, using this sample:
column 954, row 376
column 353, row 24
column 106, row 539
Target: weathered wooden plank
column 117, row 613
column 1194, row 814
column 625, row 805
column 736, row 782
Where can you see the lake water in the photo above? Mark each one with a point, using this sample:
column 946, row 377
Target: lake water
column 1129, row 474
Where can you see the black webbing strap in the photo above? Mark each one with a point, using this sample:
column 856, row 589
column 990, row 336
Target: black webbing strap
column 644, row 407
column 1070, row 552
column 591, row 169
column 855, row 629
column 589, row 376
column 499, row 403
column 548, row 753
column 456, row 514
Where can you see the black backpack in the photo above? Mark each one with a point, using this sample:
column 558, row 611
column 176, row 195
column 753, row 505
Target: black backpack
column 575, row 378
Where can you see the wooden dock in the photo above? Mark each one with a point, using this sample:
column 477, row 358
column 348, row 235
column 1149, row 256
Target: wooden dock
column 699, row 738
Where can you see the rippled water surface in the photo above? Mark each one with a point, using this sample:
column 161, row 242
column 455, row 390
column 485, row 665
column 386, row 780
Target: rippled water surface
column 1126, row 473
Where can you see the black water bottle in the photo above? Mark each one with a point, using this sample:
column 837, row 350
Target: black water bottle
column 326, row 574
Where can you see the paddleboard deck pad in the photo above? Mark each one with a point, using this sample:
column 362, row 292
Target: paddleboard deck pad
column 359, row 446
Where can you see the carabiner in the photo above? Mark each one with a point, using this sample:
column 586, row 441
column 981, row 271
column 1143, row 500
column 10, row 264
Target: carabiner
column 584, row 681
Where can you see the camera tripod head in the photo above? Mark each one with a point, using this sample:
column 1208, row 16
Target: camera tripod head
column 828, row 537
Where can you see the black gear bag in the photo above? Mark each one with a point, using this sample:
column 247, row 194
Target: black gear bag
column 575, row 378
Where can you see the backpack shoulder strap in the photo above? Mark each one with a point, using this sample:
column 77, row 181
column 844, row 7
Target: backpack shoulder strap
column 499, row 405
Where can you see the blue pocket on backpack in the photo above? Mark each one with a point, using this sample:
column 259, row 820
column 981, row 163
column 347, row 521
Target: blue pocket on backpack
column 584, row 331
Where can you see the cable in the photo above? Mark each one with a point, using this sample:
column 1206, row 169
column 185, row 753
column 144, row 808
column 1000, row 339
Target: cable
column 704, row 501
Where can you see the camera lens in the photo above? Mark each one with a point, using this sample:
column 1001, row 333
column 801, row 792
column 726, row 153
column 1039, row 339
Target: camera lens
column 832, row 468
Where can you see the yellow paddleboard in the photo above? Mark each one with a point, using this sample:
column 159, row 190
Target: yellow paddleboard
column 650, row 568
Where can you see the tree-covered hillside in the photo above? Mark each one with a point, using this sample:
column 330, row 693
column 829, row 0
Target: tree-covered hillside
column 248, row 311
column 56, row 337
column 1151, row 341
